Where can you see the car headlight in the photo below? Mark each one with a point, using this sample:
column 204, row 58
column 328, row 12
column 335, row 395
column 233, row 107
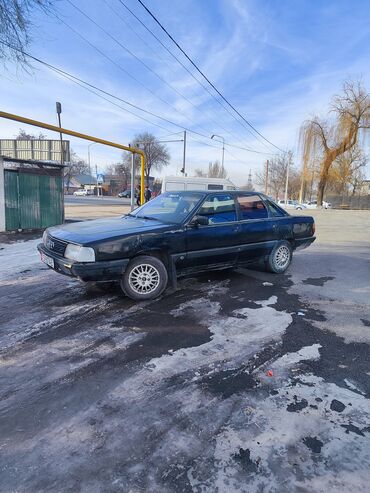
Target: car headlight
column 44, row 237
column 79, row 253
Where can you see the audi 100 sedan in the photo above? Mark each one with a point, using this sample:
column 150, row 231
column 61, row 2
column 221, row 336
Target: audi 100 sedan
column 176, row 234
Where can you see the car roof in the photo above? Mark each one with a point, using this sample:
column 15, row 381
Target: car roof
column 216, row 192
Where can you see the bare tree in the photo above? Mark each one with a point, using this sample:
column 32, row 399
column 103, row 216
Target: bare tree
column 331, row 139
column 345, row 169
column 76, row 166
column 200, row 173
column 15, row 27
column 23, row 135
column 215, row 170
column 156, row 154
column 122, row 171
column 277, row 172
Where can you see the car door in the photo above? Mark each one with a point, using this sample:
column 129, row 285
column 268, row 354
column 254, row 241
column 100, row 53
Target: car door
column 258, row 231
column 214, row 245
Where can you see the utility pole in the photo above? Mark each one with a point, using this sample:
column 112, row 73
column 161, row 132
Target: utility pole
column 184, row 155
column 266, row 176
column 97, row 183
column 223, row 146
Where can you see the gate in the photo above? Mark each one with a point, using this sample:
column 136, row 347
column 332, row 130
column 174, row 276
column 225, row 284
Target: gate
column 33, row 198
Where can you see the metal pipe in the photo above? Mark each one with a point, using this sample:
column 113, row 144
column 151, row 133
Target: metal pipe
column 132, row 182
column 54, row 128
column 142, row 178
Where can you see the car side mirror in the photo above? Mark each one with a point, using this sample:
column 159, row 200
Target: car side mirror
column 199, row 221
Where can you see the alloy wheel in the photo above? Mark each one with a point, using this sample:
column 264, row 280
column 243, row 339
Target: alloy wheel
column 144, row 279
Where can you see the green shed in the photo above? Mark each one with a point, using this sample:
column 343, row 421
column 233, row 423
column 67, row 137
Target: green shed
column 33, row 194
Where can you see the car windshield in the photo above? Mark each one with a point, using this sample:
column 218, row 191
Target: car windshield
column 170, row 207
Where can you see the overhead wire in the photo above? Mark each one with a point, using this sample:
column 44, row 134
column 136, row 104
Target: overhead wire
column 147, row 67
column 181, row 63
column 206, row 78
column 92, row 88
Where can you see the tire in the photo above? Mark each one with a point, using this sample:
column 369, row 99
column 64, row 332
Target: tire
column 145, row 278
column 280, row 258
column 299, row 208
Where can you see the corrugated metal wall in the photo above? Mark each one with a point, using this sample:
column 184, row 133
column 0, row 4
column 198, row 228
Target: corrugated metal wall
column 44, row 150
column 11, row 200
column 32, row 200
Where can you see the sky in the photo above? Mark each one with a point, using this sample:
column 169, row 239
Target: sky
column 277, row 62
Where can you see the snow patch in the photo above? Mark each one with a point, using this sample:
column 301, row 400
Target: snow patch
column 18, row 257
column 271, row 301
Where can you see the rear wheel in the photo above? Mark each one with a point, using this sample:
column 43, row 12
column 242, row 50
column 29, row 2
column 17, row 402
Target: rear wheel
column 145, row 278
column 280, row 257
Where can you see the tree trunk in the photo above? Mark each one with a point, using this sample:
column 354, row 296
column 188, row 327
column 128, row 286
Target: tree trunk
column 324, row 178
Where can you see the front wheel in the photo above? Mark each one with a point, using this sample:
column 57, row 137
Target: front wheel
column 280, row 257
column 145, row 278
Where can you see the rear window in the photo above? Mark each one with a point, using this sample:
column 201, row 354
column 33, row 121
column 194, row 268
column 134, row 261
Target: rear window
column 252, row 207
column 274, row 210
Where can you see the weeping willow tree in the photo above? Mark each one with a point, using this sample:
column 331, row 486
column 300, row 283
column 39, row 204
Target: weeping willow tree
column 326, row 140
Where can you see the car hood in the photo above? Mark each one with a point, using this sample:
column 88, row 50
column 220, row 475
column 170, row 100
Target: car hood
column 89, row 232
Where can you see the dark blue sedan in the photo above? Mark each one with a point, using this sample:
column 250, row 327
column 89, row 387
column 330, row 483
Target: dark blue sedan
column 177, row 233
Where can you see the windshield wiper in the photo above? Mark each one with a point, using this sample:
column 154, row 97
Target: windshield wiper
column 148, row 217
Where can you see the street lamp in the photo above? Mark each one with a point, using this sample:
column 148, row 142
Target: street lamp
column 223, row 146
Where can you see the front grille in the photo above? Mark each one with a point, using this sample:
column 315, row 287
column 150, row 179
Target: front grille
column 55, row 245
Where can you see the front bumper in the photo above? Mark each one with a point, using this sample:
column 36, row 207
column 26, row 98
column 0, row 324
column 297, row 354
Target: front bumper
column 108, row 270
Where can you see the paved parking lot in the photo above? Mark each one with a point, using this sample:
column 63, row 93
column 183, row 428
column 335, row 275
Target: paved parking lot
column 239, row 381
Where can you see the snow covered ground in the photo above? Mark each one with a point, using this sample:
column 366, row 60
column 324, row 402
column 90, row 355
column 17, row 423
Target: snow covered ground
column 19, row 257
column 234, row 383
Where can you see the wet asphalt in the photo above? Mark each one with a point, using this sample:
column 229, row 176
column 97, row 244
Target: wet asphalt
column 239, row 381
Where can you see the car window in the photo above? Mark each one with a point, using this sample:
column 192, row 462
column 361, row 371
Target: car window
column 251, row 207
column 274, row 210
column 169, row 207
column 212, row 186
column 219, row 209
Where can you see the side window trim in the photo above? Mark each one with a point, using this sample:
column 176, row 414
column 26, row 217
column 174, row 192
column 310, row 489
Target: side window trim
column 250, row 219
column 200, row 205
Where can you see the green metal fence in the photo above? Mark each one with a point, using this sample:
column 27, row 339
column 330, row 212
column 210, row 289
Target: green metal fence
column 33, row 200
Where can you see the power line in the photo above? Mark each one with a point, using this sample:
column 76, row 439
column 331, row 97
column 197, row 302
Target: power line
column 184, row 67
column 127, row 50
column 92, row 88
column 204, row 76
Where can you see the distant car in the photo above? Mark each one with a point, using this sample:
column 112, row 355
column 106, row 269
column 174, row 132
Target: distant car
column 176, row 234
column 126, row 194
column 291, row 204
column 82, row 192
column 312, row 204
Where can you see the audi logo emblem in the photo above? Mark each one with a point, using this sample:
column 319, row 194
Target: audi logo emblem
column 50, row 244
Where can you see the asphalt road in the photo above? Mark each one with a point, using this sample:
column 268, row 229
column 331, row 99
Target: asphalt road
column 239, row 381
column 92, row 200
